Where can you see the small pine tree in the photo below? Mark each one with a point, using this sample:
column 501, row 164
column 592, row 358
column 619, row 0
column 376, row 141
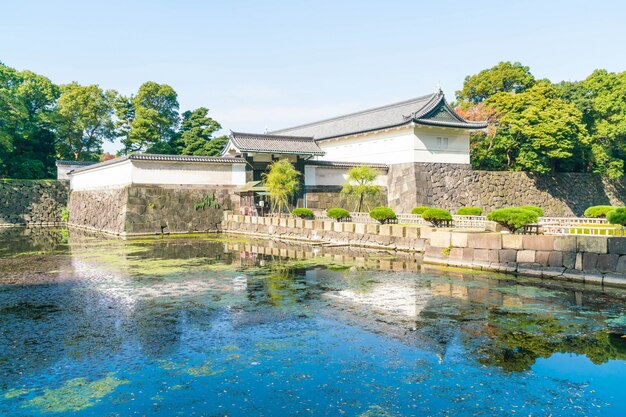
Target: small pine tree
column 282, row 182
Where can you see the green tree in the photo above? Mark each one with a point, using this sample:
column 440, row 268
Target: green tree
column 506, row 77
column 282, row 182
column 155, row 119
column 26, row 139
column 360, row 185
column 124, row 111
column 196, row 134
column 83, row 121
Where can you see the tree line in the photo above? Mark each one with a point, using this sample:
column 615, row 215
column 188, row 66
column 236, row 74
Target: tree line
column 41, row 122
column 539, row 126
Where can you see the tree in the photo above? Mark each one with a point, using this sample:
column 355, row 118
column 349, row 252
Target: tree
column 282, row 182
column 506, row 77
column 83, row 119
column 360, row 184
column 124, row 111
column 196, row 134
column 155, row 119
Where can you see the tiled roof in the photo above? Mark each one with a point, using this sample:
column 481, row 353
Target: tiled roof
column 252, row 142
column 335, row 164
column 74, row 163
column 165, row 158
column 418, row 110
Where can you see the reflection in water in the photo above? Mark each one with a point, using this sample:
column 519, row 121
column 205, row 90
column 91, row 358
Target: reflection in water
column 216, row 325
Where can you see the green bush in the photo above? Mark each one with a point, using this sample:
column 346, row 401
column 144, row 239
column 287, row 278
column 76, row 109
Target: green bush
column 438, row 217
column 303, row 213
column 338, row 213
column 513, row 218
column 65, row 214
column 382, row 214
column 419, row 209
column 617, row 216
column 469, row 211
column 598, row 211
column 536, row 209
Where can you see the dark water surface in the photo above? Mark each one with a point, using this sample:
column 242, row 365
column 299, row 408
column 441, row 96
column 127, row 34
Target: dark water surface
column 222, row 326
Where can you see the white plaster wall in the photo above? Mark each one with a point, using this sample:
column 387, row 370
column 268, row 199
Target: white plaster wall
column 318, row 175
column 238, row 174
column 172, row 173
column 62, row 171
column 114, row 175
column 399, row 146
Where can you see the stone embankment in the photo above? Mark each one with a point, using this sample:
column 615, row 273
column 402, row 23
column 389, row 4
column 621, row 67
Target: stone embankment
column 34, row 203
column 596, row 260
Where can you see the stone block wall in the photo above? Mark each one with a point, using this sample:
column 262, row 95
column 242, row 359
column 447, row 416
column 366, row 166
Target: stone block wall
column 323, row 197
column 150, row 209
column 592, row 259
column 25, row 202
column 452, row 186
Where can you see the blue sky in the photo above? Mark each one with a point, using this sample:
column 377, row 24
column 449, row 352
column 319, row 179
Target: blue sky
column 270, row 64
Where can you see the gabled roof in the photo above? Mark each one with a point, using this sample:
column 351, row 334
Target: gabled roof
column 60, row 162
column 164, row 158
column 431, row 109
column 277, row 144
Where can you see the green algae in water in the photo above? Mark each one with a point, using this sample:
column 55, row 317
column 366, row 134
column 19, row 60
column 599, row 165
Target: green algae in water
column 77, row 394
column 376, row 411
column 17, row 392
column 205, row 369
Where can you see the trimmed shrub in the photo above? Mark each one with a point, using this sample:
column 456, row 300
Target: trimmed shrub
column 469, row 211
column 419, row 209
column 438, row 217
column 598, row 211
column 617, row 216
column 303, row 213
column 338, row 213
column 513, row 218
column 382, row 214
column 536, row 209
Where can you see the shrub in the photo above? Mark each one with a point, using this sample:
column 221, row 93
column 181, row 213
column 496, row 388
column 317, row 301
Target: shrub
column 303, row 213
column 469, row 211
column 438, row 217
column 382, row 214
column 617, row 216
column 536, row 209
column 513, row 218
column 419, row 209
column 338, row 213
column 598, row 211
column 65, row 214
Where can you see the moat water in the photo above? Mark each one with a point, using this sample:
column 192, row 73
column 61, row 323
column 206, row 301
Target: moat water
column 223, row 326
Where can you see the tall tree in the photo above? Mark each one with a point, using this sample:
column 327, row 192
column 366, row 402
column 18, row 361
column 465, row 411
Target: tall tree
column 196, row 134
column 282, row 182
column 153, row 127
column 83, row 117
column 506, row 77
column 124, row 111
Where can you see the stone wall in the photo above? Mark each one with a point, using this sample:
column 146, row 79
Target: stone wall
column 150, row 209
column 24, row 202
column 591, row 259
column 452, row 186
column 323, row 197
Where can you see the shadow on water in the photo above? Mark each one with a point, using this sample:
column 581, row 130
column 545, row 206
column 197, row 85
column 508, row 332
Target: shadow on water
column 278, row 319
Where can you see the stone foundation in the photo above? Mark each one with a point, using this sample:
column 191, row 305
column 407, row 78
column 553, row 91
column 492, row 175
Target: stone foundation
column 150, row 209
column 37, row 203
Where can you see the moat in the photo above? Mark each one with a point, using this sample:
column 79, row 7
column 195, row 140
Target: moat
column 218, row 325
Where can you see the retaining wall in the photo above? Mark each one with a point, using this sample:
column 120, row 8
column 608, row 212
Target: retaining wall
column 37, row 203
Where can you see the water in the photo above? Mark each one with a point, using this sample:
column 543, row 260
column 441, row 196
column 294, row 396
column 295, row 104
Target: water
column 222, row 326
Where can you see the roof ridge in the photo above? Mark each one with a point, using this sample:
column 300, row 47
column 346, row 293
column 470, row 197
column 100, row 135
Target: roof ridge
column 273, row 136
column 370, row 110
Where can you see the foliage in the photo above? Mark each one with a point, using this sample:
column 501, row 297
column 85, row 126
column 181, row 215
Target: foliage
column 64, row 214
column 469, row 211
column 282, row 182
column 360, row 184
column 207, row 202
column 383, row 214
column 83, row 120
column 438, row 217
column 598, row 211
column 338, row 213
column 196, row 134
column 513, row 218
column 536, row 209
column 303, row 213
column 506, row 77
column 617, row 216
column 419, row 209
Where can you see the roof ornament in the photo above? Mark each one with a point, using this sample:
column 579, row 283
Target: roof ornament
column 439, row 91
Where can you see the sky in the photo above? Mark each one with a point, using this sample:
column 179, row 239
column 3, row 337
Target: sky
column 265, row 65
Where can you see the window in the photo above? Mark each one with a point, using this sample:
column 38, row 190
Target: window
column 442, row 143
